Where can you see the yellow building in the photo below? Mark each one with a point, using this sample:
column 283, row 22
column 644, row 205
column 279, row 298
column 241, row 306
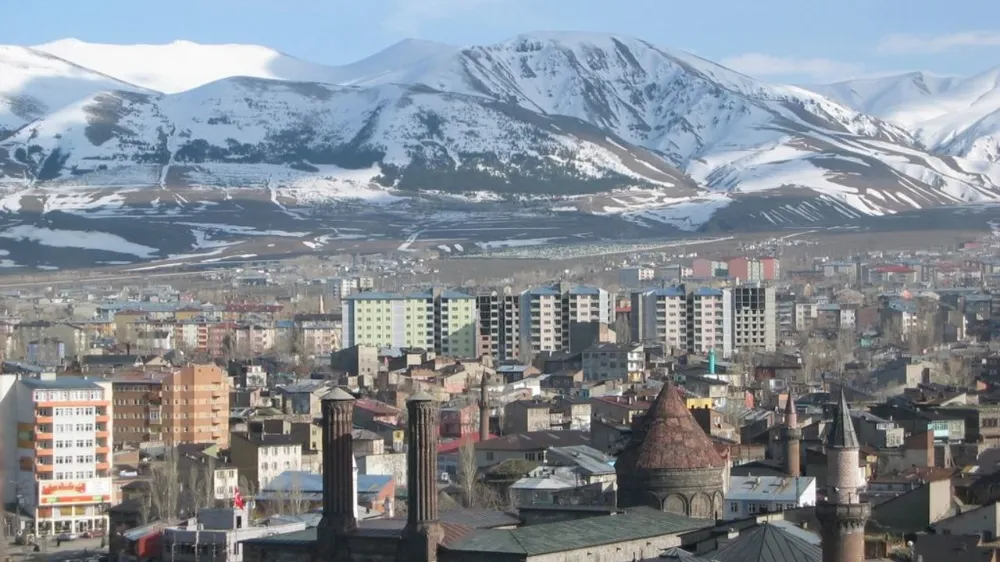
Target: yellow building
column 695, row 402
column 442, row 321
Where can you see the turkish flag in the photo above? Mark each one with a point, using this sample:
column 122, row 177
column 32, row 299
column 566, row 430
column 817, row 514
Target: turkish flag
column 238, row 502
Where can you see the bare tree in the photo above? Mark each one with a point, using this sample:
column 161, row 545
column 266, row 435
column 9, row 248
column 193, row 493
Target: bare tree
column 475, row 492
column 165, row 487
column 199, row 484
column 249, row 490
column 291, row 501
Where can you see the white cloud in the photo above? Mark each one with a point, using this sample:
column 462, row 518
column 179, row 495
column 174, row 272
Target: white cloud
column 759, row 64
column 906, row 44
column 407, row 16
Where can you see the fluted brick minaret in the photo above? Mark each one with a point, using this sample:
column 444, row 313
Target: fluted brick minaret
column 792, row 439
column 842, row 514
column 484, row 410
column 339, row 513
column 423, row 532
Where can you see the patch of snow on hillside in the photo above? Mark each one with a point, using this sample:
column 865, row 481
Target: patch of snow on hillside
column 687, row 214
column 87, row 240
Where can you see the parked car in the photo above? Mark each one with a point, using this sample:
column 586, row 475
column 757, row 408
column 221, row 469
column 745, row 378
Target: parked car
column 67, row 536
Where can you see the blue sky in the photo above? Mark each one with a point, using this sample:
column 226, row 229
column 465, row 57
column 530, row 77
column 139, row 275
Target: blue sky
column 782, row 40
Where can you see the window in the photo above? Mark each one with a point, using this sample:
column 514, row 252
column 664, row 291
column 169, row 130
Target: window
column 734, row 507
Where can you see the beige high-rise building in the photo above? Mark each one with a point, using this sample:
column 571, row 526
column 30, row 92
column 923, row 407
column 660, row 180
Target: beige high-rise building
column 175, row 406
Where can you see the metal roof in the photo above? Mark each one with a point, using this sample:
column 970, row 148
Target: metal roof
column 768, row 543
column 61, row 383
column 535, row 540
column 771, row 488
column 841, row 432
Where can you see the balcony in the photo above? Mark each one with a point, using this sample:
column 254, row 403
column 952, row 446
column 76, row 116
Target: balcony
column 40, row 467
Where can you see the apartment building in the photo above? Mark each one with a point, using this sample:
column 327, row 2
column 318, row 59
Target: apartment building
column 710, row 321
column 262, row 457
column 614, row 361
column 317, row 334
column 659, row 316
column 500, row 324
column 754, row 311
column 443, row 321
column 57, row 441
column 175, row 406
column 635, row 277
column 563, row 317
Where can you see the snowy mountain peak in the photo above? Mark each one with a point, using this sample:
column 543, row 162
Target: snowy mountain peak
column 182, row 65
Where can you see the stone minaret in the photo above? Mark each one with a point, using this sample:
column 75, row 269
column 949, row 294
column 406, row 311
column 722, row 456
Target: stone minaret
column 423, row 531
column 843, row 514
column 339, row 504
column 792, row 439
column 484, row 410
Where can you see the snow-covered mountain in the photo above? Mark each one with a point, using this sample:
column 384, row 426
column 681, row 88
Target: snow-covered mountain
column 954, row 116
column 34, row 84
column 592, row 123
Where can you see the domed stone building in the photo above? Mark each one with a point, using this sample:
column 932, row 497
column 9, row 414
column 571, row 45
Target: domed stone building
column 670, row 463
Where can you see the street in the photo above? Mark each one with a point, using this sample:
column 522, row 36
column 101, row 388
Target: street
column 80, row 549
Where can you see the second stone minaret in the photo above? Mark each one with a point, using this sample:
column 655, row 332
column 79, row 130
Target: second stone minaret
column 423, row 532
column 792, row 439
column 843, row 514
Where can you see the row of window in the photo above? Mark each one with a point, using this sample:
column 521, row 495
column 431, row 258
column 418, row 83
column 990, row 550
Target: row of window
column 78, row 475
column 78, row 459
column 69, row 443
column 87, row 411
column 67, row 395
column 70, row 427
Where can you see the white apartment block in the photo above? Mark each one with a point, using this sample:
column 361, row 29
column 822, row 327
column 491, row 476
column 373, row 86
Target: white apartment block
column 550, row 316
column 659, row 316
column 754, row 311
column 805, row 315
column 703, row 319
column 57, row 440
column 710, row 321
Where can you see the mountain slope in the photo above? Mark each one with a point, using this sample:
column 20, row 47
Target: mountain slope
column 34, row 84
column 728, row 131
column 242, row 132
column 554, row 116
column 955, row 116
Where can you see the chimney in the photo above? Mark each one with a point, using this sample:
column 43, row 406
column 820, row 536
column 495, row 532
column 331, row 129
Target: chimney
column 339, row 503
column 484, row 410
column 423, row 532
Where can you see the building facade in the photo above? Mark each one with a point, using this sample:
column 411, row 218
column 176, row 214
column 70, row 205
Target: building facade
column 57, row 435
column 443, row 321
column 563, row 317
column 500, row 324
column 754, row 312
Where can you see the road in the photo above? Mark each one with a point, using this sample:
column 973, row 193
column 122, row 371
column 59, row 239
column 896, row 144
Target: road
column 80, row 549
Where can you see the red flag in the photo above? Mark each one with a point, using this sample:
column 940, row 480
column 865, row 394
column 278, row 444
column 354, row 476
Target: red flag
column 238, row 502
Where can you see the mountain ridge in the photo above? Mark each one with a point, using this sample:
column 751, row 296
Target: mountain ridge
column 582, row 120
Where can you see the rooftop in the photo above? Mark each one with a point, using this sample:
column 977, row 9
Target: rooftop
column 63, row 382
column 535, row 440
column 536, row 540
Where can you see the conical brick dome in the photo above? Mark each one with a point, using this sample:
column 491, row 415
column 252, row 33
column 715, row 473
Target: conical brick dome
column 668, row 438
column 670, row 463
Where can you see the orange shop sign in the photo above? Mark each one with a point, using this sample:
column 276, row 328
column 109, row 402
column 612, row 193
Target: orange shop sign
column 64, row 489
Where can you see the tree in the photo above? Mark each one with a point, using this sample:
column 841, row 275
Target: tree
column 475, row 493
column 291, row 501
column 165, row 487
